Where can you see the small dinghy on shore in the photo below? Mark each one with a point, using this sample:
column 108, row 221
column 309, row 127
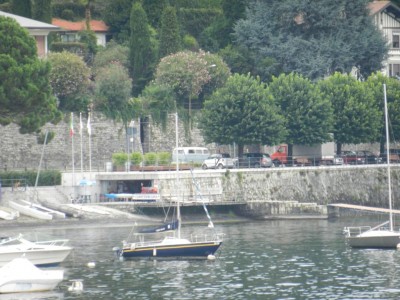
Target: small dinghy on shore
column 20, row 275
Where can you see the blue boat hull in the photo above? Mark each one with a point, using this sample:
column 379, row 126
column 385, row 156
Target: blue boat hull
column 184, row 250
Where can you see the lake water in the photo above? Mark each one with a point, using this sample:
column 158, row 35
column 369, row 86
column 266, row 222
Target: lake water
column 302, row 259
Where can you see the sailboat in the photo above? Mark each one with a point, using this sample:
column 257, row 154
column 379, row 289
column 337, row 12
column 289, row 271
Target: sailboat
column 383, row 235
column 172, row 245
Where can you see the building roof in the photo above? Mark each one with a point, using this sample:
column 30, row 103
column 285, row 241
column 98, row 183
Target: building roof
column 30, row 23
column 378, row 6
column 95, row 25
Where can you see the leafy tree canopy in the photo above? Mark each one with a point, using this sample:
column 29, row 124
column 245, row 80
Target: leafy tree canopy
column 112, row 53
column 112, row 94
column 308, row 115
column 25, row 92
column 356, row 114
column 70, row 80
column 375, row 85
column 242, row 111
column 313, row 40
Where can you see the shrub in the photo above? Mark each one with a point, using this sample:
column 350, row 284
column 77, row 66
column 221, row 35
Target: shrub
column 164, row 158
column 136, row 158
column 119, row 159
column 150, row 158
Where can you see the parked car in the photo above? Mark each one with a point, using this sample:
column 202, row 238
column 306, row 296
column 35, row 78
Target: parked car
column 369, row 157
column 218, row 161
column 254, row 160
column 351, row 158
column 394, row 155
column 337, row 160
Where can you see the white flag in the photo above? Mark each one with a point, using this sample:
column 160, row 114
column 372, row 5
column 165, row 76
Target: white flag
column 89, row 129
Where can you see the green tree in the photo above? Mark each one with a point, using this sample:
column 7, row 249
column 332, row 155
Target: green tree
column 70, row 80
column 375, row 86
column 243, row 112
column 159, row 101
column 117, row 16
column 22, row 8
column 308, row 115
column 154, row 10
column 313, row 40
column 170, row 40
column 112, row 53
column 356, row 113
column 113, row 94
column 25, row 92
column 42, row 11
column 141, row 51
column 186, row 73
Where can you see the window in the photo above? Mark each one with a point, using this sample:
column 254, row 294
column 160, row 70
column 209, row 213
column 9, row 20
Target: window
column 396, row 40
column 394, row 70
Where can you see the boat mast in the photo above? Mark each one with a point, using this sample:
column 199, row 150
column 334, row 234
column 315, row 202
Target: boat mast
column 388, row 159
column 178, row 209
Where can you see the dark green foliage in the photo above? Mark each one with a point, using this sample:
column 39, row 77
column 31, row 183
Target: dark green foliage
column 21, row 8
column 313, row 40
column 42, row 11
column 117, row 17
column 25, row 92
column 69, row 11
column 141, row 54
column 112, row 53
column 88, row 38
column 46, row 178
column 42, row 137
column 374, row 85
column 6, row 7
column 170, row 40
column 356, row 113
column 154, row 10
column 194, row 21
column 242, row 112
column 112, row 94
column 308, row 115
column 159, row 101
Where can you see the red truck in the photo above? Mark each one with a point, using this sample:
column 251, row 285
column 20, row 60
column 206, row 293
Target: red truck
column 321, row 154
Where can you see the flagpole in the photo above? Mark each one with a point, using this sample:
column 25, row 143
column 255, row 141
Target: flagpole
column 71, row 134
column 89, row 129
column 80, row 133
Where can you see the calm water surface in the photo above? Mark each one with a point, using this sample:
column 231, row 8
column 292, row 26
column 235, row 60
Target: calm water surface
column 258, row 260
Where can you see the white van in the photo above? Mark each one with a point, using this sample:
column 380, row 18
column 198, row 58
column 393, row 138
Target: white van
column 190, row 154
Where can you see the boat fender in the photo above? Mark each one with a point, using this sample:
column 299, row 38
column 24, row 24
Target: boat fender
column 133, row 246
column 211, row 257
column 76, row 286
column 398, row 246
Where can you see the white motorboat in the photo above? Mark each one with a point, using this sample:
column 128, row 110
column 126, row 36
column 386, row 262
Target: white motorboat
column 20, row 275
column 30, row 210
column 383, row 235
column 43, row 253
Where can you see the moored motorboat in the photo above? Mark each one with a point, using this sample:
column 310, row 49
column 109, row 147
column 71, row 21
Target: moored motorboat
column 43, row 253
column 20, row 275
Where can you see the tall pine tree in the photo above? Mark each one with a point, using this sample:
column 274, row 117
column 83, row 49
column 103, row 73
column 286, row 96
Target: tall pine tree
column 141, row 54
column 170, row 40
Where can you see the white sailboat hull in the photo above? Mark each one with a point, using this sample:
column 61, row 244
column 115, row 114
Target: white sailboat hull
column 30, row 211
column 375, row 239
